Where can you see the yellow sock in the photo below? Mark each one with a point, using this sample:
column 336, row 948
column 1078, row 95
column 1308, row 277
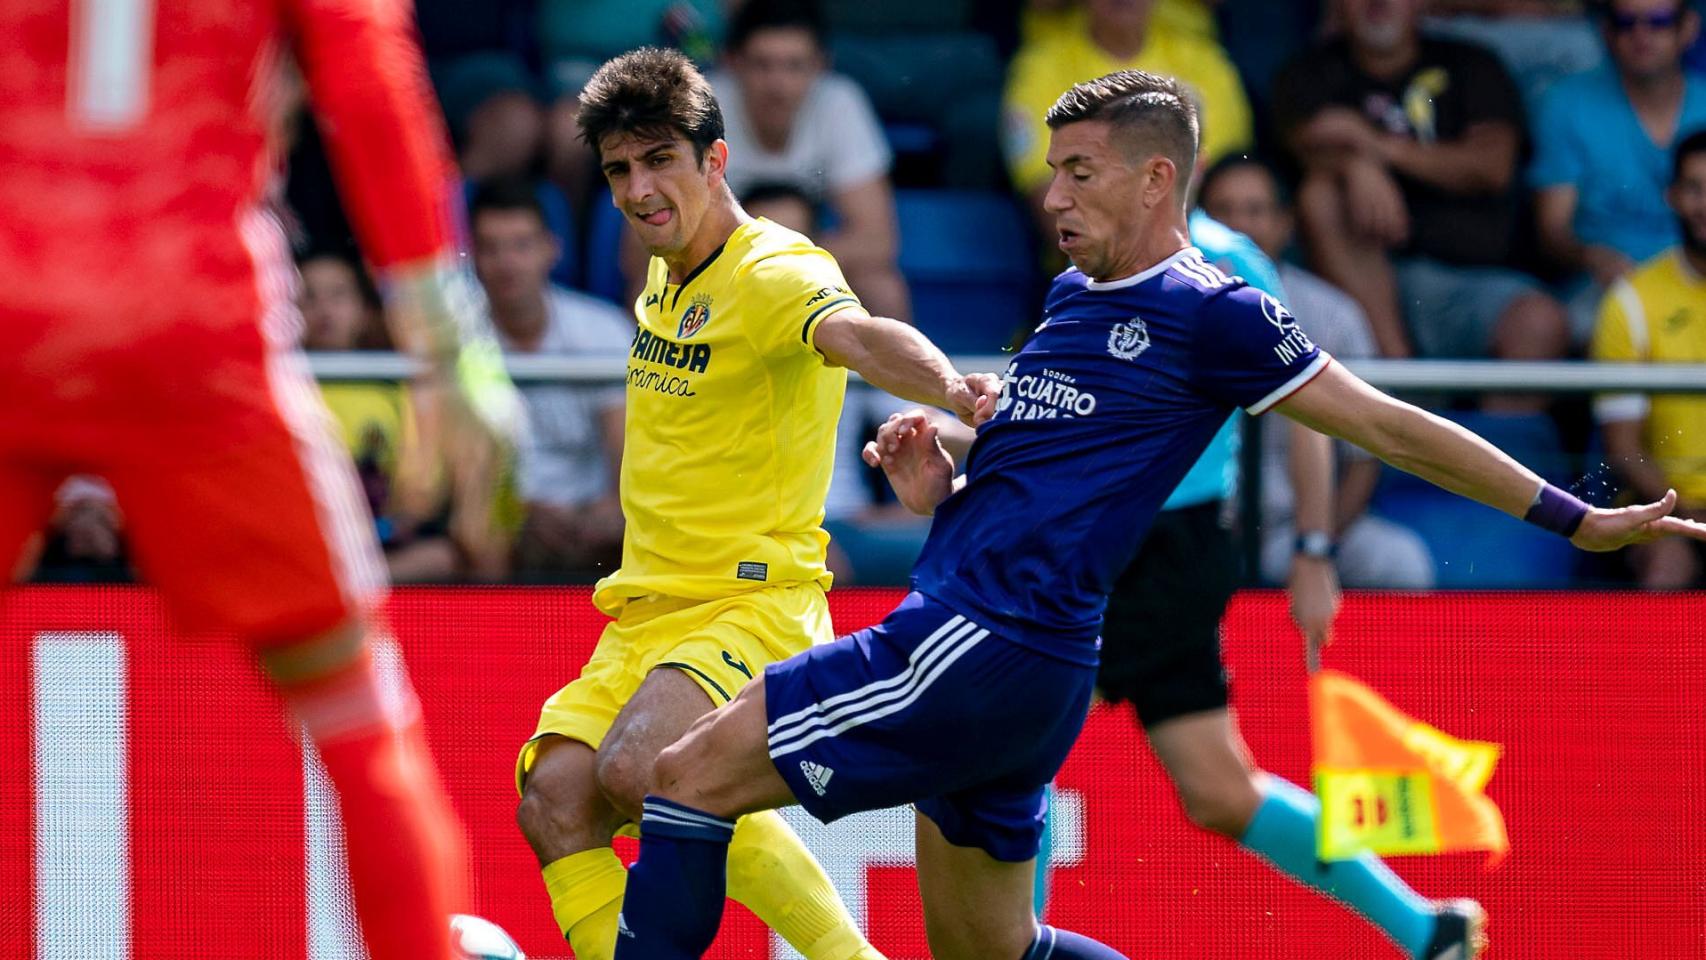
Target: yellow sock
column 777, row 878
column 586, row 897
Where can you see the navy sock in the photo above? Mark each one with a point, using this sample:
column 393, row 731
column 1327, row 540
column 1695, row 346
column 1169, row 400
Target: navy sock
column 1052, row 944
column 674, row 901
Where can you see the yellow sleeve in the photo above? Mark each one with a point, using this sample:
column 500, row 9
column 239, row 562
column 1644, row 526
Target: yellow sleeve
column 1034, row 82
column 1611, row 337
column 790, row 293
column 1614, row 341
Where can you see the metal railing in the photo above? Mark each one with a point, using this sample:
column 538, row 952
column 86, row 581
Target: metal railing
column 1430, row 376
column 1399, row 376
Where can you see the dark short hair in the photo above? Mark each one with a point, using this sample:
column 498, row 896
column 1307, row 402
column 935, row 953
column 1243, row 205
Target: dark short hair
column 756, row 15
column 1234, row 162
column 1154, row 112
column 767, row 190
column 771, row 191
column 1691, row 146
column 507, row 195
column 346, row 257
column 1602, row 10
column 651, row 92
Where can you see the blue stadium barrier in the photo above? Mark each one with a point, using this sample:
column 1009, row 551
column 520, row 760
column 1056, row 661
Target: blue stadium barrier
column 967, row 258
column 1476, row 547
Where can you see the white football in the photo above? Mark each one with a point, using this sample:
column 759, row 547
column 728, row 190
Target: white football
column 477, row 939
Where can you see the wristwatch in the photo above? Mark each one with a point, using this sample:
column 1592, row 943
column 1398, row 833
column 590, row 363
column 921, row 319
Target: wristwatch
column 1315, row 544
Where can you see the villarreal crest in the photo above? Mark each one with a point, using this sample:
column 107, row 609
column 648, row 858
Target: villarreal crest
column 698, row 314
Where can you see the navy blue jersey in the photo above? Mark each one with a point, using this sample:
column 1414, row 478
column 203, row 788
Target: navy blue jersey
column 1105, row 408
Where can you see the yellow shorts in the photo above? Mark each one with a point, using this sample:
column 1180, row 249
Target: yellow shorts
column 720, row 643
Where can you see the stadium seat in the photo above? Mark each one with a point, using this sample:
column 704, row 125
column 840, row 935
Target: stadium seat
column 1476, row 547
column 560, row 221
column 939, row 97
column 967, row 258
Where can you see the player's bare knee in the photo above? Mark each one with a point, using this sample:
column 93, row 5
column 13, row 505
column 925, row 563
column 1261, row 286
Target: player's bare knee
column 624, row 776
column 673, row 772
column 561, row 813
column 554, row 830
column 1217, row 811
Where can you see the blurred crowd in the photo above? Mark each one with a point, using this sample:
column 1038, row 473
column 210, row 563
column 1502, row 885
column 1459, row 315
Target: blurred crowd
column 1490, row 179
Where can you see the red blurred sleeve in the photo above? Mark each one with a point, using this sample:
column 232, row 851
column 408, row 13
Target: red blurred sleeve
column 383, row 129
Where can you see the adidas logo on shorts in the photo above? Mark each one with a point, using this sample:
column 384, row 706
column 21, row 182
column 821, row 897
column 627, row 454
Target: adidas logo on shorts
column 817, row 775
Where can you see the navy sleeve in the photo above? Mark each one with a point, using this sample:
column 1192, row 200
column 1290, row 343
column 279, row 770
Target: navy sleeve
column 1249, row 351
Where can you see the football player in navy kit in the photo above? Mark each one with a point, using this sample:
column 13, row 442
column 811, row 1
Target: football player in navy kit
column 968, row 697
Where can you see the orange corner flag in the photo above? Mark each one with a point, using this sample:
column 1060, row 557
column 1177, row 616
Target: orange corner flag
column 1389, row 783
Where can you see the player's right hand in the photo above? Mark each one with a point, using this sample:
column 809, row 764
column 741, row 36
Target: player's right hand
column 912, row 457
column 1604, row 530
column 974, row 397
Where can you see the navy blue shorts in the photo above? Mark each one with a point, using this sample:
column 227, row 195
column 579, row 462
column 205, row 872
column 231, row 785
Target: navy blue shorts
column 928, row 708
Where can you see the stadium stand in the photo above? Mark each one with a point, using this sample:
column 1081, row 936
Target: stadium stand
column 968, row 261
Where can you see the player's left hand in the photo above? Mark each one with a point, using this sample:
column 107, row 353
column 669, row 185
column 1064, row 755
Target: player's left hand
column 973, row 396
column 1604, row 530
column 1314, row 590
column 920, row 471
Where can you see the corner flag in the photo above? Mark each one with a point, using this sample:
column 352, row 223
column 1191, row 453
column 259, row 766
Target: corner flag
column 1390, row 784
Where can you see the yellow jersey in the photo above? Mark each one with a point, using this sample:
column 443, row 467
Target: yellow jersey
column 731, row 416
column 377, row 425
column 1058, row 53
column 1657, row 314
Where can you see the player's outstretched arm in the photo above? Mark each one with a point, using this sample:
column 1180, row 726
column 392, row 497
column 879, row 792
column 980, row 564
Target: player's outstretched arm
column 368, row 84
column 896, row 358
column 1340, row 404
column 910, row 453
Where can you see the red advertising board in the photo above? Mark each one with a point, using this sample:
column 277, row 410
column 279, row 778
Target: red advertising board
column 153, row 803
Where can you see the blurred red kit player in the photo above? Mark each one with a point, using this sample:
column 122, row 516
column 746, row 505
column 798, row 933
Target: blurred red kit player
column 147, row 335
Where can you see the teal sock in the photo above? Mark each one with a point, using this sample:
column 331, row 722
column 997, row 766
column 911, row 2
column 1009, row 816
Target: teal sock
column 1045, row 857
column 1283, row 833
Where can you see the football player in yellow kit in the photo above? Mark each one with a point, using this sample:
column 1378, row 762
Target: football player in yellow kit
column 735, row 380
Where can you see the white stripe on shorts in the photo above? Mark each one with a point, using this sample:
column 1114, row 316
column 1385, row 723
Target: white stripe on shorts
column 880, row 707
column 870, row 688
column 852, row 701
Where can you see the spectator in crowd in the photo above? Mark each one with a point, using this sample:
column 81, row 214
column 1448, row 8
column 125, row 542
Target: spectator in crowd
column 491, row 104
column 872, row 537
column 340, row 311
column 1603, row 143
column 1409, row 148
column 567, row 470
column 1658, row 314
column 84, row 541
column 788, row 118
column 1245, row 195
column 1074, row 44
column 1539, row 41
